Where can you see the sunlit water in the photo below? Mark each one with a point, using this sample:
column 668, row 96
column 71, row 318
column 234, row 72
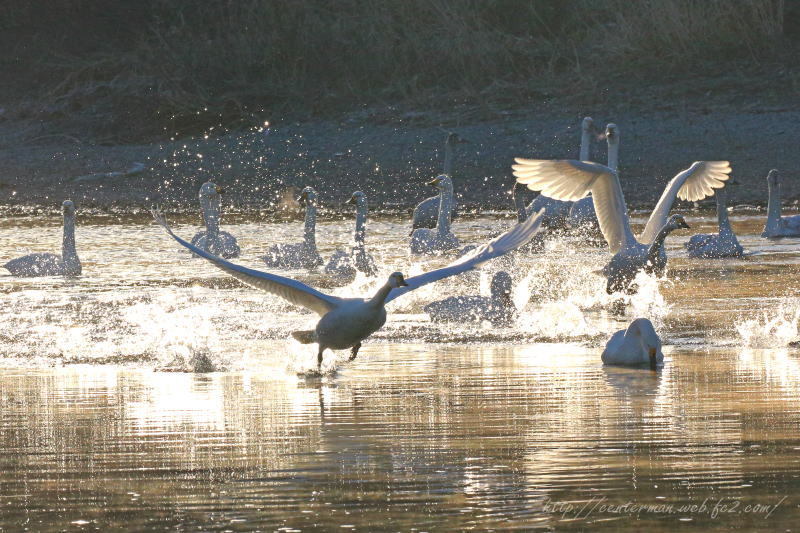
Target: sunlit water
column 434, row 426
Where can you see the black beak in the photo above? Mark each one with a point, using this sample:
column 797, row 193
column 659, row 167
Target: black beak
column 351, row 201
column 221, row 190
column 433, row 182
column 685, row 225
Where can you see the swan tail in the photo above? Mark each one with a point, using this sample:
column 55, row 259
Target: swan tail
column 304, row 337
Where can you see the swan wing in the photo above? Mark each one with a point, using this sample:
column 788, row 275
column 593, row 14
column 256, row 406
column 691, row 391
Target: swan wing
column 693, row 184
column 291, row 290
column 568, row 179
column 517, row 236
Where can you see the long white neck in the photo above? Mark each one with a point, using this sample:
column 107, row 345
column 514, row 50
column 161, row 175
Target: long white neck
column 310, row 228
column 68, row 252
column 774, row 206
column 380, row 297
column 658, row 243
column 211, row 218
column 722, row 212
column 361, row 225
column 448, row 157
column 585, row 140
column 445, row 208
column 613, row 154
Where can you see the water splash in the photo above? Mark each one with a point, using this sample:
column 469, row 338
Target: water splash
column 772, row 328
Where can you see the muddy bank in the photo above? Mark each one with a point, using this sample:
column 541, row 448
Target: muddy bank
column 391, row 161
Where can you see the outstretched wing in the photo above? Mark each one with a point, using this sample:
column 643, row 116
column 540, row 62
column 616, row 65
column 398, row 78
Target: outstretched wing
column 693, row 184
column 514, row 238
column 567, row 179
column 289, row 289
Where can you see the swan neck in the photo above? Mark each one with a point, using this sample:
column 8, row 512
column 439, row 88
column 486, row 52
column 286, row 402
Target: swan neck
column 211, row 218
column 584, row 151
column 447, row 168
column 68, row 250
column 310, row 227
column 613, row 155
column 380, row 297
column 361, row 225
column 774, row 206
column 658, row 244
column 722, row 211
column 445, row 209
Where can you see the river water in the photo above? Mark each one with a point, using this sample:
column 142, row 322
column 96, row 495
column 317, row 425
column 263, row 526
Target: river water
column 103, row 423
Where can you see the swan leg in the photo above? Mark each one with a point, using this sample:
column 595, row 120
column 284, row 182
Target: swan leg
column 354, row 351
column 319, row 359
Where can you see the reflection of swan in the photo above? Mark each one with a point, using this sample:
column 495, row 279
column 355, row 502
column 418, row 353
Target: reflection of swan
column 344, row 264
column 426, row 214
column 777, row 225
column 66, row 264
column 346, row 322
column 636, row 346
column 582, row 215
column 714, row 245
column 440, row 239
column 498, row 309
column 569, row 179
column 304, row 254
column 212, row 239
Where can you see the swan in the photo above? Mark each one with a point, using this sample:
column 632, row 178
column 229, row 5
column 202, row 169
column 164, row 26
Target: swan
column 498, row 309
column 569, row 179
column 715, row 245
column 345, row 264
column 582, row 215
column 426, row 214
column 440, row 239
column 346, row 322
column 777, row 225
column 212, row 239
column 303, row 254
column 66, row 264
column 636, row 346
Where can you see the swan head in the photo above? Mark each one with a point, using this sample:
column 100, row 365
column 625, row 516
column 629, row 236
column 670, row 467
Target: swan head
column 209, row 190
column 642, row 331
column 612, row 133
column 358, row 199
column 677, row 222
column 587, row 124
column 442, row 182
column 501, row 285
column 772, row 177
column 67, row 207
column 396, row 280
column 308, row 196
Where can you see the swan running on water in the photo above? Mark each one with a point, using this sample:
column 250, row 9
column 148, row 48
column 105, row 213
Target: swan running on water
column 345, row 322
column 716, row 245
column 213, row 240
column 66, row 264
column 498, row 309
column 440, row 239
column 569, row 179
column 345, row 264
column 777, row 225
column 426, row 214
column 637, row 346
column 304, row 254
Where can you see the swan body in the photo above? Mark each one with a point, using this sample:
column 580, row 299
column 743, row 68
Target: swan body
column 440, row 239
column 569, row 179
column 716, row 245
column 346, row 322
column 498, row 309
column 212, row 239
column 45, row 264
column 426, row 214
column 303, row 254
column 582, row 216
column 638, row 345
column 345, row 264
column 777, row 225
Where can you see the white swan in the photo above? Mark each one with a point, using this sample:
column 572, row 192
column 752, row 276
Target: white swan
column 345, row 264
column 212, row 239
column 716, row 245
column 303, row 254
column 569, row 179
column 498, row 309
column 426, row 214
column 582, row 216
column 345, row 322
column 440, row 239
column 66, row 264
column 638, row 345
column 777, row 225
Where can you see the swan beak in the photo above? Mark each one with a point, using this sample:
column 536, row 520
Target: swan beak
column 351, row 201
column 302, row 199
column 683, row 225
column 220, row 190
column 434, row 181
column 653, row 359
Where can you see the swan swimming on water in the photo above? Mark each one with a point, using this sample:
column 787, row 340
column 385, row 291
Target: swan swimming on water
column 44, row 264
column 426, row 214
column 637, row 346
column 498, row 309
column 346, row 322
column 213, row 240
column 345, row 264
column 303, row 254
column 777, row 225
column 716, row 245
column 439, row 239
column 569, row 179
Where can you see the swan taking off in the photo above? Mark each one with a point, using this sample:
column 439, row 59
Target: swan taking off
column 344, row 264
column 303, row 254
column 637, row 346
column 439, row 239
column 66, row 264
column 213, row 240
column 345, row 322
column 426, row 214
column 777, row 225
column 498, row 309
column 569, row 179
column 716, row 245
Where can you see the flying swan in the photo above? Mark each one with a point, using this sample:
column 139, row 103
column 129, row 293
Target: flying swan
column 304, row 254
column 213, row 240
column 346, row 322
column 637, row 346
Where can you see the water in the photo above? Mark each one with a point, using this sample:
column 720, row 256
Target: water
column 432, row 427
